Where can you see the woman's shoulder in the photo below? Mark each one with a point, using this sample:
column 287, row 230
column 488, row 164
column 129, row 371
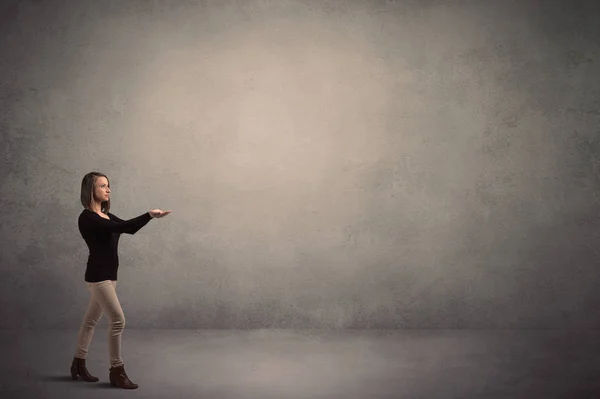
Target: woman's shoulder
column 85, row 213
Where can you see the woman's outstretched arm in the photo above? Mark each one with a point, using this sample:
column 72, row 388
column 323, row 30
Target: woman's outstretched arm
column 91, row 220
column 134, row 228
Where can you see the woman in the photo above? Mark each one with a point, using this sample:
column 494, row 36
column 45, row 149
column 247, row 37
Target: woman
column 101, row 231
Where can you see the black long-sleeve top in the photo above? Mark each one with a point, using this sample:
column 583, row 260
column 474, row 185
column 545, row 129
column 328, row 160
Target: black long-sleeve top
column 102, row 238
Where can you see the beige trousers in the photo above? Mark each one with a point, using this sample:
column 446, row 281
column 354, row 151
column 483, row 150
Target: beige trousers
column 103, row 300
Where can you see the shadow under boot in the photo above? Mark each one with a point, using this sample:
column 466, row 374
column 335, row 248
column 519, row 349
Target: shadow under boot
column 78, row 367
column 118, row 378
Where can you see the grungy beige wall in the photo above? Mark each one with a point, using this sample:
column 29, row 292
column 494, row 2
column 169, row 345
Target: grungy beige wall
column 329, row 164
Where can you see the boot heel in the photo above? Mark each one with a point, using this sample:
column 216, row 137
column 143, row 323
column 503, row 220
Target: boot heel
column 78, row 368
column 118, row 378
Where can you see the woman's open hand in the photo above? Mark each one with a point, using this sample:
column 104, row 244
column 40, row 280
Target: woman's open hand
column 157, row 213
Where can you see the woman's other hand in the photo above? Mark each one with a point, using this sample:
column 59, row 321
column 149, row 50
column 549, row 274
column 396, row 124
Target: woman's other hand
column 157, row 213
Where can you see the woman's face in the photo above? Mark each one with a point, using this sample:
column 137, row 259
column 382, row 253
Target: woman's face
column 101, row 189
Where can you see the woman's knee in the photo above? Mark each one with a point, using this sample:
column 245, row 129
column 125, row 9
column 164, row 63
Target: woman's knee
column 118, row 322
column 90, row 323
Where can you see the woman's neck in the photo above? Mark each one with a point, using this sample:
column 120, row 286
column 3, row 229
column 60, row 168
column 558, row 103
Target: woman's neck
column 96, row 207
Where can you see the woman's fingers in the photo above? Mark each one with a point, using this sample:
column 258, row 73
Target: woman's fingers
column 157, row 213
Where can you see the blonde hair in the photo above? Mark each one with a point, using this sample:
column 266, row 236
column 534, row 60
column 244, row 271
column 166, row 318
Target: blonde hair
column 87, row 191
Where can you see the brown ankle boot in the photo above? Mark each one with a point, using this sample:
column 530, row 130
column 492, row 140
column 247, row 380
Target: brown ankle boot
column 118, row 378
column 78, row 367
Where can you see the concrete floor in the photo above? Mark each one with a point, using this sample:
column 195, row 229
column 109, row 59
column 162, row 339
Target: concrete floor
column 311, row 364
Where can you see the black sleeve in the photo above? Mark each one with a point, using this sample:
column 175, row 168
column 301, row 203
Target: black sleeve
column 131, row 226
column 135, row 227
